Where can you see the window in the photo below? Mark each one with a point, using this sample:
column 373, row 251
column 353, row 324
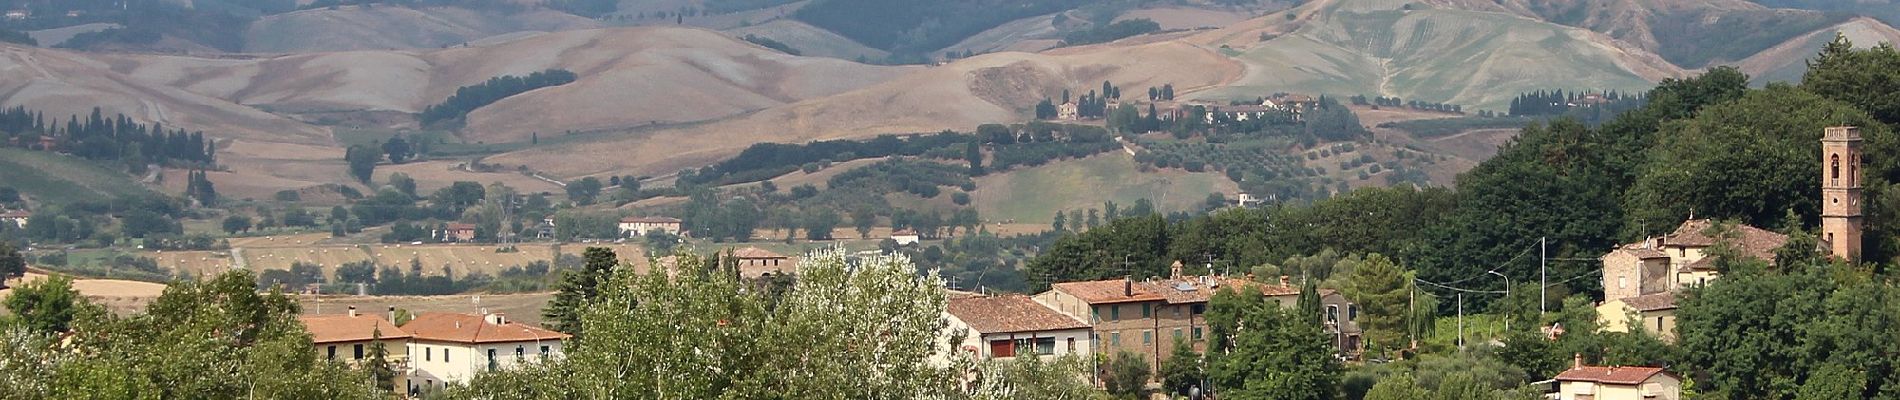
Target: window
column 1002, row 348
column 1071, row 345
column 1045, row 346
column 1147, row 337
column 332, row 353
column 1659, row 327
column 1177, row 311
column 1177, row 333
column 1835, row 168
column 1146, row 310
column 1095, row 313
column 1115, row 313
column 491, row 359
column 544, row 351
column 1199, row 309
column 1115, row 338
column 1197, row 333
column 445, row 354
column 519, row 353
column 1332, row 314
column 359, row 351
column 1622, row 282
column 428, row 354
column 1352, row 312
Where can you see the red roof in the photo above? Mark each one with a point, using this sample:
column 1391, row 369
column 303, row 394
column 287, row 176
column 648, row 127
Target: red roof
column 458, row 226
column 904, row 232
column 1752, row 241
column 346, row 328
column 1652, row 302
column 1610, row 375
column 16, row 214
column 754, row 252
column 471, row 328
column 649, row 220
column 1108, row 291
column 1009, row 313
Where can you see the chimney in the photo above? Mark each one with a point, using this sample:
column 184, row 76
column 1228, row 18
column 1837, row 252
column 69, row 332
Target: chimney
column 496, row 318
column 1286, row 281
column 1128, row 286
column 1175, row 273
column 1577, row 360
column 392, row 314
column 352, row 311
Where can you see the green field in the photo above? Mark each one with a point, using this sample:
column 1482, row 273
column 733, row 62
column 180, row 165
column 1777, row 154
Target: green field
column 56, row 179
column 1033, row 195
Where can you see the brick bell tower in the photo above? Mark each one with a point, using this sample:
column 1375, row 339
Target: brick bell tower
column 1840, row 191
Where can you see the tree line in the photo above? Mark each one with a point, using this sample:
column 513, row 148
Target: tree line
column 468, row 98
column 115, row 138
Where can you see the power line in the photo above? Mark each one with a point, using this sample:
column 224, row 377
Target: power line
column 1457, row 289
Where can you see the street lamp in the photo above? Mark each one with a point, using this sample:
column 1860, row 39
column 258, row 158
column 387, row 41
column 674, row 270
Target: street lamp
column 1507, row 296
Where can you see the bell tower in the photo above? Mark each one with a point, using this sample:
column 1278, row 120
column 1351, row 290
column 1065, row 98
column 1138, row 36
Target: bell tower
column 1840, row 191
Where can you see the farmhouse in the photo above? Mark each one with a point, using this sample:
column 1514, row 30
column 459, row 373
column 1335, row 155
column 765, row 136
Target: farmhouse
column 1068, row 111
column 352, row 337
column 1585, row 382
column 1652, row 313
column 1008, row 326
column 755, row 262
column 17, row 217
column 905, row 237
column 458, row 232
column 453, row 347
column 639, row 226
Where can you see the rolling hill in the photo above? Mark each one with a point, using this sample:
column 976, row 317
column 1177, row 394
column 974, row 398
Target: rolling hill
column 1379, row 47
column 1001, row 87
column 395, row 27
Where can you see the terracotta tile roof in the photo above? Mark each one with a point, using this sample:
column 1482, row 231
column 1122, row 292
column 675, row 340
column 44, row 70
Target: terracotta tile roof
column 1610, row 375
column 904, row 232
column 1704, row 264
column 1652, row 302
column 1753, row 241
column 649, row 220
column 345, row 328
column 1010, row 313
column 754, row 252
column 471, row 328
column 458, row 226
column 16, row 214
column 1108, row 291
column 1640, row 251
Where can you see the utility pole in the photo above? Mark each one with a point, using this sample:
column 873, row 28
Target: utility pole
column 1543, row 274
column 1507, row 296
column 1461, row 321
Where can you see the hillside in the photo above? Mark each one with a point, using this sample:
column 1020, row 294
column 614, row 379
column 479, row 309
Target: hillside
column 394, row 27
column 54, row 179
column 1376, row 47
column 1001, row 87
column 1788, row 61
column 705, row 75
column 62, row 83
column 1022, row 196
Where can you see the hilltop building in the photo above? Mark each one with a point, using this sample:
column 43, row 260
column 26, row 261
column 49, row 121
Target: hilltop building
column 16, row 217
column 1640, row 280
column 639, row 226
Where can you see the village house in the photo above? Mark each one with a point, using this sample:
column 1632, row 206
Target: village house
column 1068, row 111
column 1585, row 382
column 1146, row 317
column 1008, row 326
column 755, row 262
column 453, row 347
column 905, row 237
column 458, row 232
column 17, row 14
column 1651, row 313
column 351, row 337
column 1640, row 280
column 639, row 226
column 17, row 217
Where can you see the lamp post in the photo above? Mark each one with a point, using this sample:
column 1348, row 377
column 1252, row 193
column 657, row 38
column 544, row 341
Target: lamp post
column 1507, row 296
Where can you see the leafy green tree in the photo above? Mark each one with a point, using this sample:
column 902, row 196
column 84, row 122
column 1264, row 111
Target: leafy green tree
column 578, row 289
column 584, row 191
column 1397, row 387
column 1182, row 370
column 362, row 160
column 1269, row 353
column 1867, row 79
column 48, row 305
column 12, row 262
column 701, row 333
column 237, row 223
column 403, row 183
column 1031, row 378
column 1127, row 373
